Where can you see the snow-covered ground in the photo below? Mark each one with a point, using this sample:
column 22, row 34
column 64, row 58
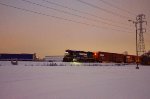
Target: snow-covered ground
column 38, row 80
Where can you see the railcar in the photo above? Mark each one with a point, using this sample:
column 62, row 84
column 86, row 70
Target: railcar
column 130, row 59
column 145, row 59
column 109, row 57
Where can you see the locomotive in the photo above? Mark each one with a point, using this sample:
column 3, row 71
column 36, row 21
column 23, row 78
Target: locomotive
column 78, row 56
column 83, row 56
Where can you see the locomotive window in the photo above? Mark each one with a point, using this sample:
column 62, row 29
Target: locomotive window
column 66, row 53
column 83, row 54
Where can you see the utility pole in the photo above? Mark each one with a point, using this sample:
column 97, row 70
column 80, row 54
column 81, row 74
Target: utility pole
column 140, row 45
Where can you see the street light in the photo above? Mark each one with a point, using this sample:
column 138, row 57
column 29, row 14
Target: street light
column 134, row 22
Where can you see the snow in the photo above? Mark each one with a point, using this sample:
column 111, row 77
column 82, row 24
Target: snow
column 37, row 80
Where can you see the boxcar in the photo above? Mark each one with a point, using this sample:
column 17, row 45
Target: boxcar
column 130, row 58
column 109, row 57
column 145, row 58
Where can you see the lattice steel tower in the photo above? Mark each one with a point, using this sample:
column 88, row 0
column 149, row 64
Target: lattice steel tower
column 140, row 19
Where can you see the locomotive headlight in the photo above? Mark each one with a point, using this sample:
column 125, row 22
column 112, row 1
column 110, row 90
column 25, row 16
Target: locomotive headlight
column 75, row 64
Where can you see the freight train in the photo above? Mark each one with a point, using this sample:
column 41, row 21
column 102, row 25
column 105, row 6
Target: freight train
column 17, row 57
column 82, row 56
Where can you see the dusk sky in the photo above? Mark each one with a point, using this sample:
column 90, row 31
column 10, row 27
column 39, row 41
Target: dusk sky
column 49, row 27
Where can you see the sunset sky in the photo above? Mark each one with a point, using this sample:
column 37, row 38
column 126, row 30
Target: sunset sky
column 49, row 27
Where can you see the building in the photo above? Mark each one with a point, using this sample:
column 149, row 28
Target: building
column 18, row 57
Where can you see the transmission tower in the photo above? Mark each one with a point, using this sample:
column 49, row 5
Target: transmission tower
column 140, row 19
column 140, row 46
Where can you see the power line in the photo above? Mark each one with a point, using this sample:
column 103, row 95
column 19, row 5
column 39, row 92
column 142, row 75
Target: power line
column 65, row 12
column 60, row 18
column 105, row 10
column 82, row 12
column 110, row 4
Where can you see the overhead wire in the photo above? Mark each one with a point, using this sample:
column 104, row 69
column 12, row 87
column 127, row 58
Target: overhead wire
column 104, row 10
column 127, row 11
column 87, row 13
column 60, row 18
column 112, row 5
column 82, row 12
column 65, row 12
